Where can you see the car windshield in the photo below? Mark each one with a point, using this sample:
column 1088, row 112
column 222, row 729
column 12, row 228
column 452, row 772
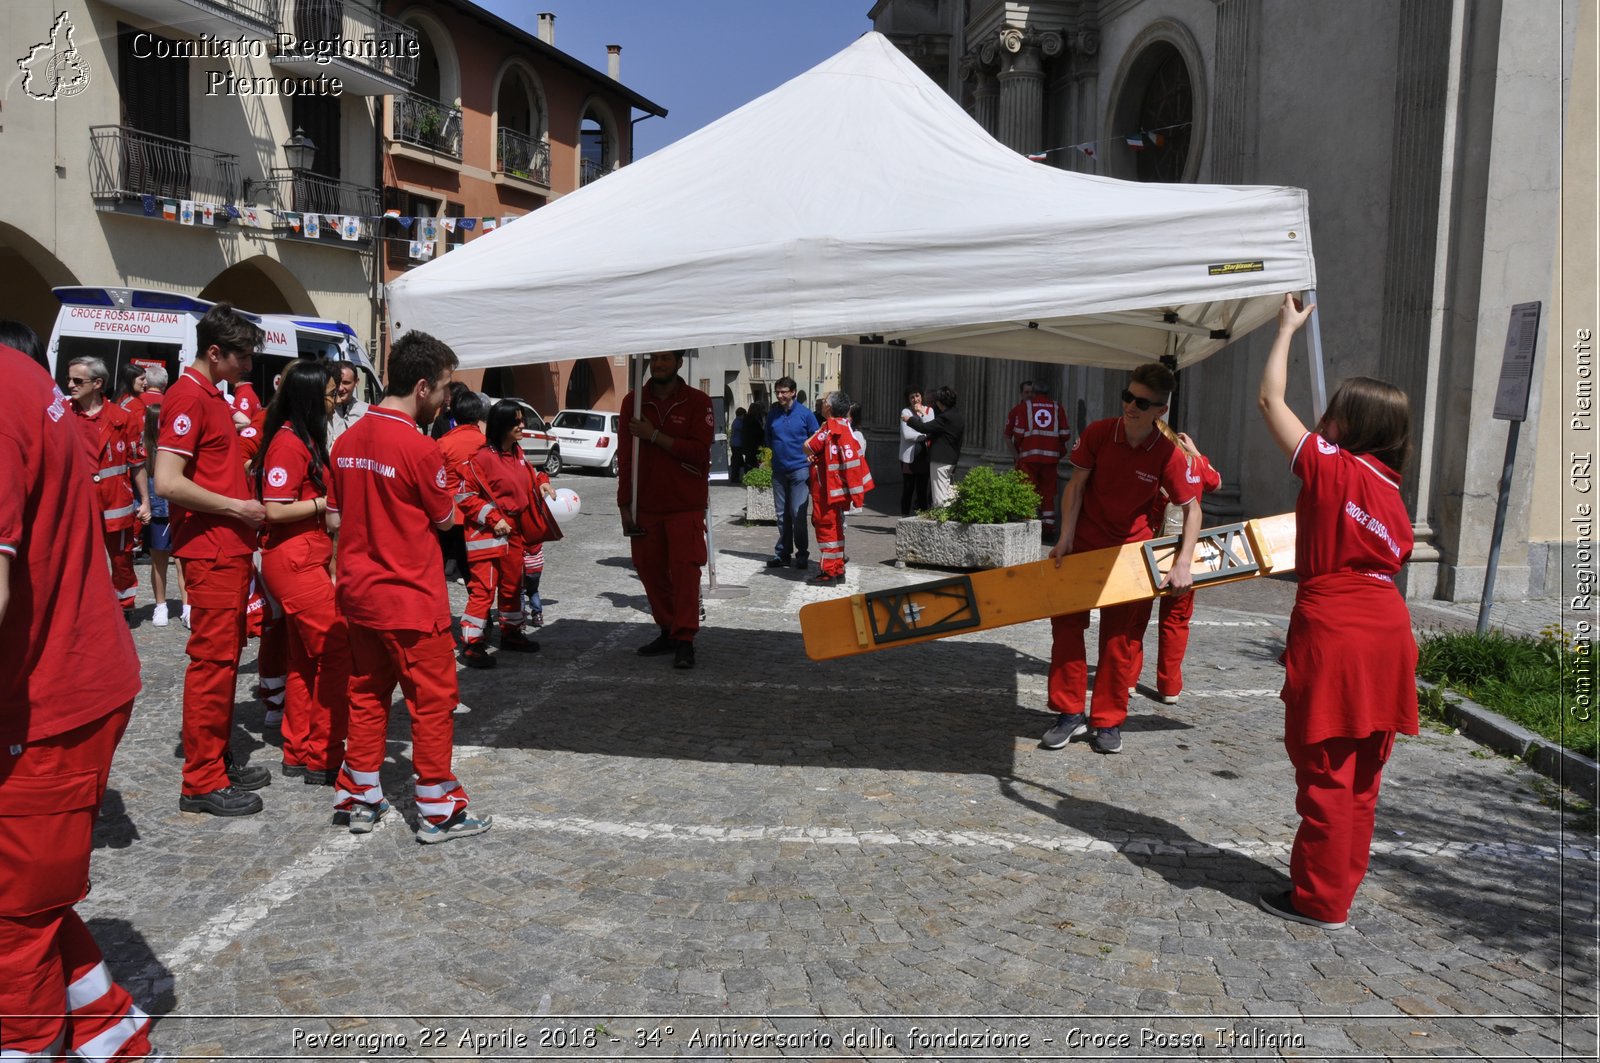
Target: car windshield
column 582, row 422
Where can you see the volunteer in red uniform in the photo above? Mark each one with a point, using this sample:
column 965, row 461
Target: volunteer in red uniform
column 668, row 531
column 114, row 439
column 387, row 493
column 214, row 518
column 155, row 387
column 840, row 480
column 1037, row 429
column 295, row 553
column 1176, row 610
column 130, row 387
column 498, row 491
column 1119, row 465
column 458, row 446
column 245, row 404
column 66, row 690
column 264, row 620
column 1351, row 663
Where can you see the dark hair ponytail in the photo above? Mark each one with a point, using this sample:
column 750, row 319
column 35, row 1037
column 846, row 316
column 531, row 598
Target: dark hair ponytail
column 300, row 403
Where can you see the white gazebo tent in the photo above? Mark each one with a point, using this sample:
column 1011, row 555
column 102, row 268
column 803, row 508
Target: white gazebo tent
column 858, row 203
column 858, row 200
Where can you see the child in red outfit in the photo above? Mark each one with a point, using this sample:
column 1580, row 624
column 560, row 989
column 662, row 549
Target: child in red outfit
column 840, row 479
column 1351, row 661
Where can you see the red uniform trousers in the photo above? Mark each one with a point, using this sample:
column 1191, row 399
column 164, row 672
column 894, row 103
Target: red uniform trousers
column 1121, row 648
column 218, row 592
column 424, row 665
column 1176, row 611
column 494, row 579
column 317, row 708
column 828, row 523
column 1337, row 798
column 50, row 796
column 668, row 558
column 119, row 548
column 1045, row 478
column 264, row 622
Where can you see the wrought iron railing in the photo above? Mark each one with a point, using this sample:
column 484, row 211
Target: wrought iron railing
column 127, row 164
column 590, row 170
column 311, row 193
column 762, row 369
column 522, row 156
column 358, row 33
column 427, row 123
column 268, row 12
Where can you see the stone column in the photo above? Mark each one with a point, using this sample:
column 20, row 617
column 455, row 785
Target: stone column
column 986, row 98
column 1021, row 92
column 1085, row 46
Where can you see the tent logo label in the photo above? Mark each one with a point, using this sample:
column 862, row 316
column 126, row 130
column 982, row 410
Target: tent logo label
column 1223, row 269
column 55, row 69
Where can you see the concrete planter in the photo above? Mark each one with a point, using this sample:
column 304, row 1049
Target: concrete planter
column 758, row 505
column 920, row 541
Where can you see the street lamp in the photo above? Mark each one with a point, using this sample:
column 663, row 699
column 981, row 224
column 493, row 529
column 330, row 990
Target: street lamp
column 299, row 150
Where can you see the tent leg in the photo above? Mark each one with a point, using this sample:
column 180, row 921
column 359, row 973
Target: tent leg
column 1319, row 379
column 713, row 589
column 641, row 377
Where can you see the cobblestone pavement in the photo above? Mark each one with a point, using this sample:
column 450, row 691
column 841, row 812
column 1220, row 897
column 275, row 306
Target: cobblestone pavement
column 869, row 858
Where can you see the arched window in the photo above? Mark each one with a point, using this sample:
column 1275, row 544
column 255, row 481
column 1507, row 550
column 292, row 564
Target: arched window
column 598, row 145
column 1166, row 112
column 1158, row 111
column 427, row 116
column 580, row 387
column 520, row 145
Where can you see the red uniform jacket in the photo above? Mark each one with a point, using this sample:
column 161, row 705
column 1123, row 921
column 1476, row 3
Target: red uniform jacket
column 675, row 481
column 1038, row 430
column 458, row 446
column 839, row 473
column 114, row 439
column 490, row 487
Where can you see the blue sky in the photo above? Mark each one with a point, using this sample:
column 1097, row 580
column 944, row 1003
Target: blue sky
column 699, row 59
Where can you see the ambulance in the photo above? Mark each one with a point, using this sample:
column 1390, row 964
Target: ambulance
column 145, row 327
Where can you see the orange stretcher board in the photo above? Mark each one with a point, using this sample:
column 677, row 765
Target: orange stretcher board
column 997, row 597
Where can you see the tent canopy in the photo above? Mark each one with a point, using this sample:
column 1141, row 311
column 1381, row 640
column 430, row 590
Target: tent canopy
column 858, row 200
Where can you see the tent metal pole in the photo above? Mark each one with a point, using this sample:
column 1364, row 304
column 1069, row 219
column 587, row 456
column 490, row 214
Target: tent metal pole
column 640, row 362
column 1319, row 380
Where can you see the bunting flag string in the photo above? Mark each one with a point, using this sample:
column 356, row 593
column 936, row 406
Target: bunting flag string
column 1144, row 138
column 421, row 233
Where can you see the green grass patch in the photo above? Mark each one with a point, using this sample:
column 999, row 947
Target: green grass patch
column 1533, row 680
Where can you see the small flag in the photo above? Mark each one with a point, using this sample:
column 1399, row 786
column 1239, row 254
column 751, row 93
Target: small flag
column 252, row 217
column 208, row 214
column 1135, row 143
column 1155, row 139
column 1087, row 149
column 149, row 206
column 186, row 212
column 449, row 225
column 293, row 219
column 391, row 214
column 490, row 224
column 507, row 219
column 169, row 209
column 430, row 230
column 1038, row 156
column 313, row 226
column 468, row 224
column 405, row 220
column 421, row 250
column 351, row 227
column 233, row 212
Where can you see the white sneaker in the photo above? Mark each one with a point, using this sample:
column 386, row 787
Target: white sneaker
column 158, row 616
column 186, row 616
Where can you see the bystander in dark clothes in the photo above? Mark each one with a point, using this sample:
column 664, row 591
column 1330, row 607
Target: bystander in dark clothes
column 945, row 431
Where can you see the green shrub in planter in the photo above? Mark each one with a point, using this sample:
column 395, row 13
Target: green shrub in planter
column 761, row 477
column 986, row 497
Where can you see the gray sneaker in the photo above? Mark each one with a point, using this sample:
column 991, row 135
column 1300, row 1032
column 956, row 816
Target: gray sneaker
column 463, row 824
column 1108, row 740
column 364, row 817
column 1068, row 727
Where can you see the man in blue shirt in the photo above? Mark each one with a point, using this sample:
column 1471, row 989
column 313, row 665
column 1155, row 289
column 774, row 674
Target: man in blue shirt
column 789, row 425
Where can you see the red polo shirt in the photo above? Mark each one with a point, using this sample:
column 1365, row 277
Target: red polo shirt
column 68, row 656
column 197, row 424
column 1349, row 516
column 387, row 483
column 1123, row 483
column 286, row 477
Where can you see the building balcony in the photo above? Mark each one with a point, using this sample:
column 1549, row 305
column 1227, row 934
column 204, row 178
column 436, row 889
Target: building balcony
column 590, row 170
column 762, row 369
column 522, row 158
column 301, row 192
column 427, row 124
column 214, row 18
column 369, row 52
column 127, row 165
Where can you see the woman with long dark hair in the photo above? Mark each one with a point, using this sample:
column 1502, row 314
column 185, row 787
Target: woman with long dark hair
column 501, row 495
column 130, row 385
column 1350, row 665
column 291, row 480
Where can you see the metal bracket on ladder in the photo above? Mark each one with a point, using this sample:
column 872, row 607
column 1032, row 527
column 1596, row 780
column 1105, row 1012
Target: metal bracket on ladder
column 939, row 607
column 1222, row 554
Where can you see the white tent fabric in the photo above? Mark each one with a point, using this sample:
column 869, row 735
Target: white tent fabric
column 859, row 200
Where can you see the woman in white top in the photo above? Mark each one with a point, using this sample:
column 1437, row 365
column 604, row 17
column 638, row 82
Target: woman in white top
column 914, row 483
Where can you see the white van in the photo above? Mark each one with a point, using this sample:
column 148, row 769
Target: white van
column 145, row 327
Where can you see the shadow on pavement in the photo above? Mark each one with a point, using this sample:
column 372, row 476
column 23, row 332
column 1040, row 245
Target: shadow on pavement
column 135, row 965
column 1140, row 839
column 114, row 828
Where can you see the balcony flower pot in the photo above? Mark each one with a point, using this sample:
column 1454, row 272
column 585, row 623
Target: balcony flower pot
column 990, row 524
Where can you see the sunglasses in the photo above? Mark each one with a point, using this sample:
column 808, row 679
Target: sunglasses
column 1143, row 404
